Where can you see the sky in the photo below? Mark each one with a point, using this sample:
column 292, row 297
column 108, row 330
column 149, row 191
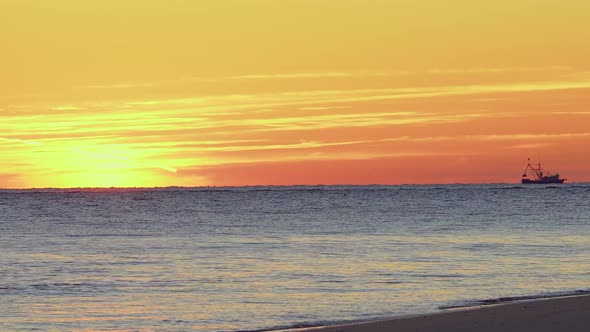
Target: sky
column 132, row 93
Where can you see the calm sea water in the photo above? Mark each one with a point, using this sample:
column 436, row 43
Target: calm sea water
column 262, row 257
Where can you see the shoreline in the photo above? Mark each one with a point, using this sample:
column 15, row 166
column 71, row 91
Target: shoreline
column 567, row 312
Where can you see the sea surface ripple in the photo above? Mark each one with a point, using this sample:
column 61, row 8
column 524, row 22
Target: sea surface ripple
column 251, row 258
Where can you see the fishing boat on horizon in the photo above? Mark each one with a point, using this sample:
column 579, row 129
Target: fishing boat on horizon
column 538, row 175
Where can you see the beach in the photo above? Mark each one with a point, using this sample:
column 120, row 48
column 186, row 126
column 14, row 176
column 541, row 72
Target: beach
column 570, row 313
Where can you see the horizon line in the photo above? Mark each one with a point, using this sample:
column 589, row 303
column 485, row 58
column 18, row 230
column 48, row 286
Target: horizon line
column 281, row 186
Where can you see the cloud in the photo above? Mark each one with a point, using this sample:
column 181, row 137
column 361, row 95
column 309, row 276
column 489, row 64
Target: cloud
column 66, row 108
column 247, row 77
column 493, row 70
column 330, row 124
column 330, row 75
column 489, row 137
column 323, row 108
column 317, row 156
column 121, row 86
column 572, row 113
column 20, row 141
column 519, row 137
column 320, row 98
column 530, row 146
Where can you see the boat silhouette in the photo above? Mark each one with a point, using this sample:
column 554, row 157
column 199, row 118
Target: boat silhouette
column 538, row 175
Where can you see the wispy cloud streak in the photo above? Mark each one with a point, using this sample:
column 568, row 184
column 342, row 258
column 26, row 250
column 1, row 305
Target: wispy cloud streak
column 173, row 134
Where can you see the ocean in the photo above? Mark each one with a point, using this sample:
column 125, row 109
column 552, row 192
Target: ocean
column 256, row 258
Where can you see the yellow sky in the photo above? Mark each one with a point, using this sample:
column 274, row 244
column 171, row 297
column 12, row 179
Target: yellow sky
column 203, row 92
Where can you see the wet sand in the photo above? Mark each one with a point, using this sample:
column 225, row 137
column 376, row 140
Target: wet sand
column 568, row 314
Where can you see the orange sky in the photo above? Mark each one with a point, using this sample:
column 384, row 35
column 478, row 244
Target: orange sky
column 221, row 92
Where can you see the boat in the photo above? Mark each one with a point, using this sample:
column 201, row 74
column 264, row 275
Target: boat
column 538, row 175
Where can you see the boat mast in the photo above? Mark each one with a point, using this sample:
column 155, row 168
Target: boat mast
column 535, row 171
column 524, row 174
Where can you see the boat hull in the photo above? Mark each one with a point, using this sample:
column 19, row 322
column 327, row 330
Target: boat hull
column 543, row 181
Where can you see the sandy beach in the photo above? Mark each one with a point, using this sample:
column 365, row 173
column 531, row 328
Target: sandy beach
column 567, row 314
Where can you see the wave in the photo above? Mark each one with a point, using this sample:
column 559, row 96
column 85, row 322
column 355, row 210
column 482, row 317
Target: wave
column 509, row 299
column 303, row 325
column 509, row 188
